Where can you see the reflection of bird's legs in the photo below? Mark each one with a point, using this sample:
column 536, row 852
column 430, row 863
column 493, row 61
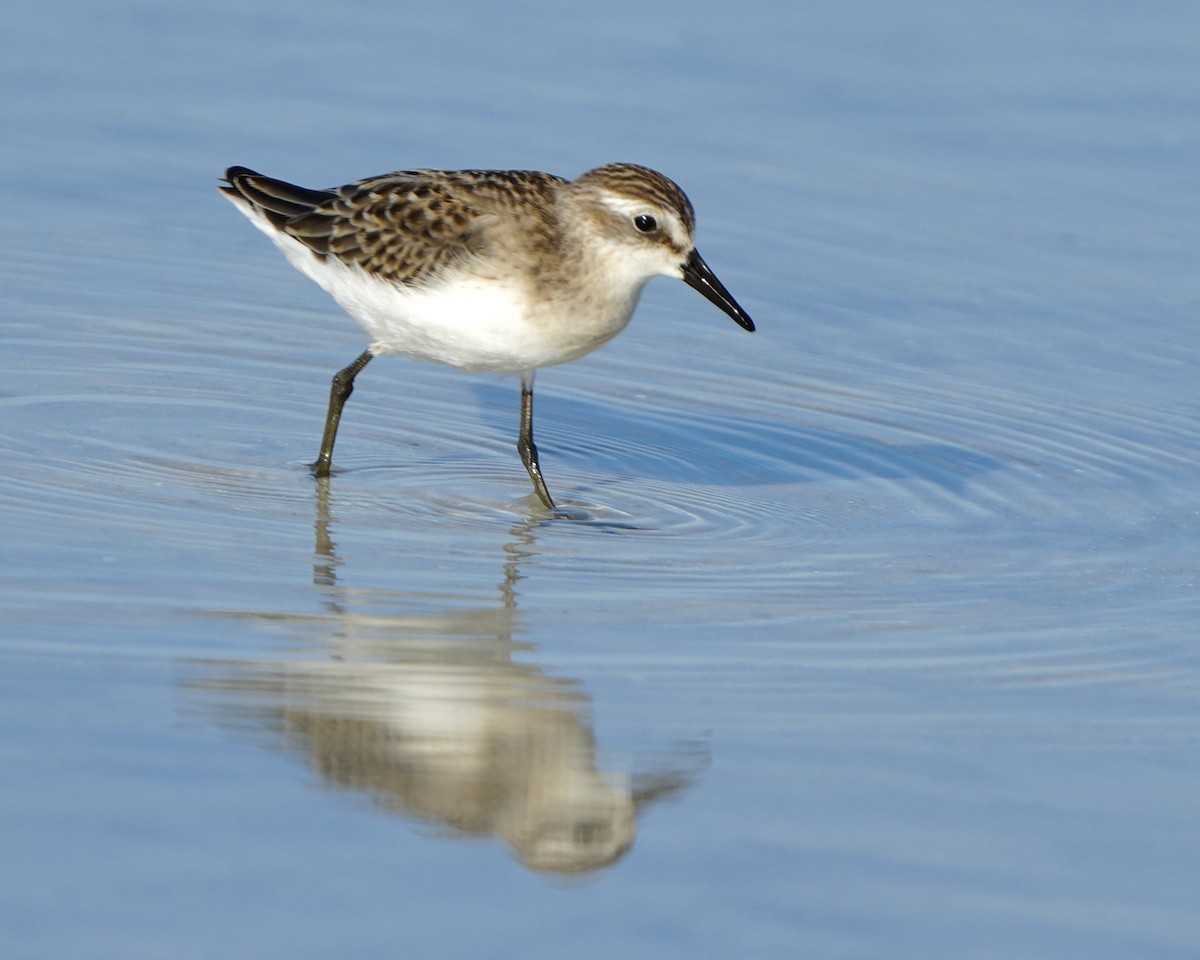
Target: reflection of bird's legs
column 521, row 548
column 325, row 559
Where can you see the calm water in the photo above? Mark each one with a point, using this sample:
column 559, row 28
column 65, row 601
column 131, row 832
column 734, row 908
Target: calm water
column 877, row 633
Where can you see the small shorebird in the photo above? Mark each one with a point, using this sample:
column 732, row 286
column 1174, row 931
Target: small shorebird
column 504, row 270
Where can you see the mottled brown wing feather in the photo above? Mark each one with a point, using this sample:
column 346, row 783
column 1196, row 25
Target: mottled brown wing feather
column 405, row 227
column 411, row 225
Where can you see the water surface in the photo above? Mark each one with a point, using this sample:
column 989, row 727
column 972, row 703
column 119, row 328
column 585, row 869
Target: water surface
column 871, row 634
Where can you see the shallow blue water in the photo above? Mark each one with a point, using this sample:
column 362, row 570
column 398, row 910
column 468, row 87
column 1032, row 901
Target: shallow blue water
column 877, row 634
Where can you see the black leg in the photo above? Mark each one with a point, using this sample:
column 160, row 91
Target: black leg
column 340, row 389
column 525, row 445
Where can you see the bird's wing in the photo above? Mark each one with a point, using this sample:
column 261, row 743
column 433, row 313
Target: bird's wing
column 405, row 227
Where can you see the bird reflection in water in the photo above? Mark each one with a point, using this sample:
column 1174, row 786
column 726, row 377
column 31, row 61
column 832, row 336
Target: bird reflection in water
column 431, row 715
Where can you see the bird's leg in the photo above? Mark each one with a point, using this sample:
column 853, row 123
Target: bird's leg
column 340, row 389
column 525, row 445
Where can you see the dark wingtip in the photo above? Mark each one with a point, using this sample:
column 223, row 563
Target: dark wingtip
column 277, row 200
column 234, row 173
column 230, row 185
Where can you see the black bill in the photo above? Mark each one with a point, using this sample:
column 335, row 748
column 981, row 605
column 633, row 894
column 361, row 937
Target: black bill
column 697, row 275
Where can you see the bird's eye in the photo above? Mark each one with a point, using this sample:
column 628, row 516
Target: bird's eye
column 645, row 223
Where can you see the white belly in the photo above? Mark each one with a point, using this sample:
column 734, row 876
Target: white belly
column 471, row 323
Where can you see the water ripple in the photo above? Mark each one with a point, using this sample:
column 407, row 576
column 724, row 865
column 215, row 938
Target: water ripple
column 779, row 481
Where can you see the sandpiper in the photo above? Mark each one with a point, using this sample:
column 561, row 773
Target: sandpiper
column 503, row 270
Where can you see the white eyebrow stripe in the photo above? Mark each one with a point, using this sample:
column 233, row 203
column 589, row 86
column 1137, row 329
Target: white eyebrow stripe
column 668, row 220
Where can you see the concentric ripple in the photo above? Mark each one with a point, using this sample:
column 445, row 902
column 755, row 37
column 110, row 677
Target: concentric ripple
column 689, row 485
